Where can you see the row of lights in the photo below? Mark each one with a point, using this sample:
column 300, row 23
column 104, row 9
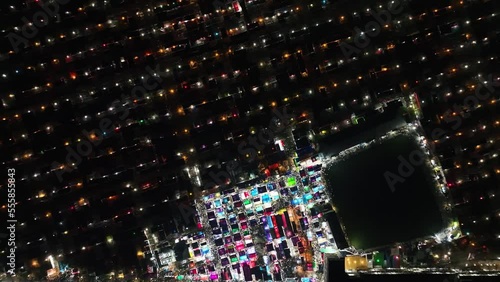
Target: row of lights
column 272, row 104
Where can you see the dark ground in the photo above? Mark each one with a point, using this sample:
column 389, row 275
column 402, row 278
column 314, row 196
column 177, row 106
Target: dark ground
column 372, row 214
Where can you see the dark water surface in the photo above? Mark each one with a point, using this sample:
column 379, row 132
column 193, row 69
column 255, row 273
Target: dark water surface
column 371, row 212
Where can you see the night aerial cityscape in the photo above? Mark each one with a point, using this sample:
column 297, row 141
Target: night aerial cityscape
column 250, row 140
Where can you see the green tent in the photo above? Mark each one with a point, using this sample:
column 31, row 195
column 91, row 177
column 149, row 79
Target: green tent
column 378, row 259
